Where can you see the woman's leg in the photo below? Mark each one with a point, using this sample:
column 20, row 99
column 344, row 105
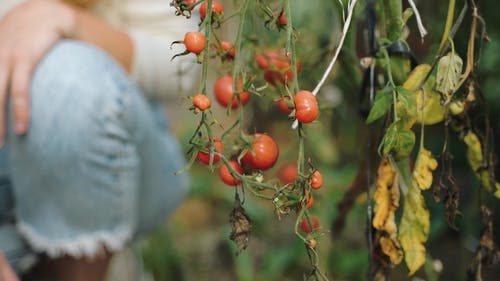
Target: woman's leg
column 96, row 166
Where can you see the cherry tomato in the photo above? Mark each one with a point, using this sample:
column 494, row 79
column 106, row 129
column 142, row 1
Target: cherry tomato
column 217, row 8
column 266, row 153
column 282, row 19
column 312, row 243
column 316, row 180
column 277, row 66
column 288, row 173
column 309, row 201
column 223, row 89
column 195, row 42
column 304, row 224
column 228, row 48
column 306, row 106
column 204, row 157
column 261, row 61
column 226, row 175
column 283, row 105
column 202, row 102
column 189, row 2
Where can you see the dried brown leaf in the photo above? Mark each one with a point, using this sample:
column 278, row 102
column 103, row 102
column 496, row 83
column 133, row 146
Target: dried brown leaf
column 241, row 225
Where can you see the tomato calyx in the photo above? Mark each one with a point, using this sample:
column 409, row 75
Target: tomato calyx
column 183, row 7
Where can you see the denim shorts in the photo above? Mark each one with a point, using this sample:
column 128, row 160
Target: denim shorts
column 96, row 168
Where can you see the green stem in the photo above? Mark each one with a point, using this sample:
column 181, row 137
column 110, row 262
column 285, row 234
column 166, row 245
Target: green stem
column 391, row 82
column 394, row 19
column 207, row 24
column 290, row 45
column 237, row 47
column 447, row 27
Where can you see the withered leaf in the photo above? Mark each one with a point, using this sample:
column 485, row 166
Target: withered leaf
column 449, row 69
column 414, row 229
column 241, row 225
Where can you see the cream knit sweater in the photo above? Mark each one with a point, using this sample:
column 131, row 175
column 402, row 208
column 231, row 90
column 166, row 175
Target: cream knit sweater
column 152, row 26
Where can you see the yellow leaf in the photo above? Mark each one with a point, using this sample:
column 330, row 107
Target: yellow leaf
column 414, row 229
column 424, row 166
column 475, row 157
column 391, row 249
column 427, row 99
column 474, row 151
column 386, row 199
column 382, row 196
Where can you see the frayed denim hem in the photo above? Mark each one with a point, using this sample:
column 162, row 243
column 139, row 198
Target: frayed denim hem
column 86, row 245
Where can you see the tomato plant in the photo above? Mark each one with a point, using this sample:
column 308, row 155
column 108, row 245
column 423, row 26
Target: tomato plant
column 283, row 105
column 316, row 180
column 287, row 173
column 217, row 8
column 223, row 90
column 204, row 157
column 225, row 173
column 264, row 153
column 195, row 42
column 227, row 49
column 306, row 227
column 306, row 106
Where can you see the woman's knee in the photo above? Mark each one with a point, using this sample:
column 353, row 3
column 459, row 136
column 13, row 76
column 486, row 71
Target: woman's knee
column 79, row 103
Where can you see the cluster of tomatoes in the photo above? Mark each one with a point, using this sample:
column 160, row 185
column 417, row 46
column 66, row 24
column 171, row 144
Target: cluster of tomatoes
column 258, row 152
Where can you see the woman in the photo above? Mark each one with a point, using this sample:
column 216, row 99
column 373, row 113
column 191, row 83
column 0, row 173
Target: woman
column 87, row 162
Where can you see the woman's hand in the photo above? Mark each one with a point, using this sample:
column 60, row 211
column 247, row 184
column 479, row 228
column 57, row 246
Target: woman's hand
column 26, row 34
column 6, row 272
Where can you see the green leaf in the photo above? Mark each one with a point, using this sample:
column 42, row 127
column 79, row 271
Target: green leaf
column 380, row 106
column 449, row 69
column 407, row 99
column 390, row 138
column 398, row 141
column 405, row 143
column 414, row 229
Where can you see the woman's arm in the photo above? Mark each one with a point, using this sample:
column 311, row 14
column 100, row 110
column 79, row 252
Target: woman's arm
column 86, row 27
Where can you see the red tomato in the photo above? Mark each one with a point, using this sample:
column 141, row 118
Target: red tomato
column 189, row 2
column 228, row 48
column 261, row 61
column 288, row 173
column 217, row 8
column 283, row 105
column 204, row 157
column 316, row 180
column 304, row 224
column 282, row 19
column 306, row 106
column 266, row 153
column 202, row 102
column 195, row 42
column 223, row 89
column 226, row 175
column 277, row 66
column 309, row 201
